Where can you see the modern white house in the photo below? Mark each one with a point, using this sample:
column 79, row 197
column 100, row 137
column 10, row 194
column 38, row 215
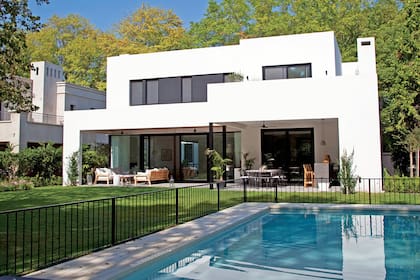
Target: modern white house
column 52, row 95
column 297, row 103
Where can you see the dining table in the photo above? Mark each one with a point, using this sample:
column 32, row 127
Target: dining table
column 264, row 177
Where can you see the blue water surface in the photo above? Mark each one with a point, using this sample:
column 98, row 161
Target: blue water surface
column 302, row 244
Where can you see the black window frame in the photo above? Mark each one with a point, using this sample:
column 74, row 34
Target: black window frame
column 193, row 97
column 287, row 66
column 143, row 99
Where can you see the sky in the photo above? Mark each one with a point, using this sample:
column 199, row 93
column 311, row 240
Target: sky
column 105, row 13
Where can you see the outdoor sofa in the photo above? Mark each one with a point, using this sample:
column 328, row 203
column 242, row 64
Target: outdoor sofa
column 152, row 175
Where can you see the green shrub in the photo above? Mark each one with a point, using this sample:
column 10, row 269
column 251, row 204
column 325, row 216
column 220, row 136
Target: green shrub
column 42, row 182
column 16, row 185
column 93, row 157
column 347, row 174
column 44, row 161
column 9, row 162
column 73, row 169
column 401, row 184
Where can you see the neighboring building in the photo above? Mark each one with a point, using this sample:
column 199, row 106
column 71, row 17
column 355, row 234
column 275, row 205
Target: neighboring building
column 297, row 103
column 53, row 96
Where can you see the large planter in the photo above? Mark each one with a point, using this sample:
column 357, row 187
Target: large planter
column 221, row 184
column 89, row 179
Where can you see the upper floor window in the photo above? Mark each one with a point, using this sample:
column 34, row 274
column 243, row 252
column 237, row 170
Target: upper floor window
column 172, row 90
column 137, row 96
column 186, row 91
column 287, row 71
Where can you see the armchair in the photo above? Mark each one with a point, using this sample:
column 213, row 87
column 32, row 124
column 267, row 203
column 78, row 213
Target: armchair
column 104, row 174
column 308, row 176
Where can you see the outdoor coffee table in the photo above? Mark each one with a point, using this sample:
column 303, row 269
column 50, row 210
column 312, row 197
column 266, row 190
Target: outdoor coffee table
column 126, row 179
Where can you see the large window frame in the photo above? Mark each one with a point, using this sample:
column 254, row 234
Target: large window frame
column 296, row 147
column 287, row 71
column 184, row 89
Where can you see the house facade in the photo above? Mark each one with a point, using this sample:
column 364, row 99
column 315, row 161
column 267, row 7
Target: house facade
column 52, row 95
column 296, row 103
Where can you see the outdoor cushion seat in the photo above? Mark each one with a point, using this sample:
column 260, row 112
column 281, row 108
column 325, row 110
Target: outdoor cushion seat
column 104, row 175
column 152, row 175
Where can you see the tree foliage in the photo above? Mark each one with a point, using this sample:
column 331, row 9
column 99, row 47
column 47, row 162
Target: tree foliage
column 399, row 79
column 218, row 163
column 44, row 161
column 16, row 19
column 75, row 44
column 152, row 29
column 93, row 157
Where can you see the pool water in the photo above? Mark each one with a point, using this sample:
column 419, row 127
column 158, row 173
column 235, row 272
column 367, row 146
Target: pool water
column 302, row 244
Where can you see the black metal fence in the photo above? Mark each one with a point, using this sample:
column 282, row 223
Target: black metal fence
column 360, row 191
column 38, row 237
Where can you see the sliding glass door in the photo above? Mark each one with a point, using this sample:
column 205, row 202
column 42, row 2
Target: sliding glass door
column 193, row 161
column 288, row 149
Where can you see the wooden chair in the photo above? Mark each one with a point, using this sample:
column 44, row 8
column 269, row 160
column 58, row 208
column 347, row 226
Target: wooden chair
column 308, row 176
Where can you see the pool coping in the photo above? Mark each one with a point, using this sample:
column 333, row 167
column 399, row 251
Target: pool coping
column 116, row 261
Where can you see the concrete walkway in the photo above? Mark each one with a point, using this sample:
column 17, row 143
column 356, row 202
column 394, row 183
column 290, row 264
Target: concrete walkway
column 115, row 261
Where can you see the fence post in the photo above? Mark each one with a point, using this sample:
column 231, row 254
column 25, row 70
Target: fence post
column 113, row 222
column 370, row 199
column 277, row 197
column 244, row 181
column 218, row 196
column 176, row 206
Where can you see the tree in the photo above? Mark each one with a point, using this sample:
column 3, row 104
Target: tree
column 16, row 19
column 223, row 24
column 413, row 146
column 75, row 44
column 270, row 17
column 399, row 84
column 152, row 29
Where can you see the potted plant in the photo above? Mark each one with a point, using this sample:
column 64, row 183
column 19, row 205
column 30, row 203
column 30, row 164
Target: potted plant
column 234, row 77
column 249, row 162
column 218, row 164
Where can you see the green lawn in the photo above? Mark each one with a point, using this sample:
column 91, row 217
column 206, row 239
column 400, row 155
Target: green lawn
column 35, row 238
column 59, row 194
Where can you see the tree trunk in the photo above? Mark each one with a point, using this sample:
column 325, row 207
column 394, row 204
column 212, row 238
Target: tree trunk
column 411, row 165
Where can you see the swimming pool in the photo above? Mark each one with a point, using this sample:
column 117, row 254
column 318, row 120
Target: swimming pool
column 302, row 244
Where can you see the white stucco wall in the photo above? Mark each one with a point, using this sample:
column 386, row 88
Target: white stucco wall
column 82, row 98
column 10, row 131
column 31, row 132
column 351, row 100
column 44, row 86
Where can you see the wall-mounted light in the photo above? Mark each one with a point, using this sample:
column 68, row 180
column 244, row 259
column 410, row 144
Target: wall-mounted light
column 323, row 142
column 264, row 125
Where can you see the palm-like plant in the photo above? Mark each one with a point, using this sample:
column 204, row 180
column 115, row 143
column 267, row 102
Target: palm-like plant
column 218, row 163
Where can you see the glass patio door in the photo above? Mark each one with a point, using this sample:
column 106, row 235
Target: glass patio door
column 193, row 161
column 288, row 149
